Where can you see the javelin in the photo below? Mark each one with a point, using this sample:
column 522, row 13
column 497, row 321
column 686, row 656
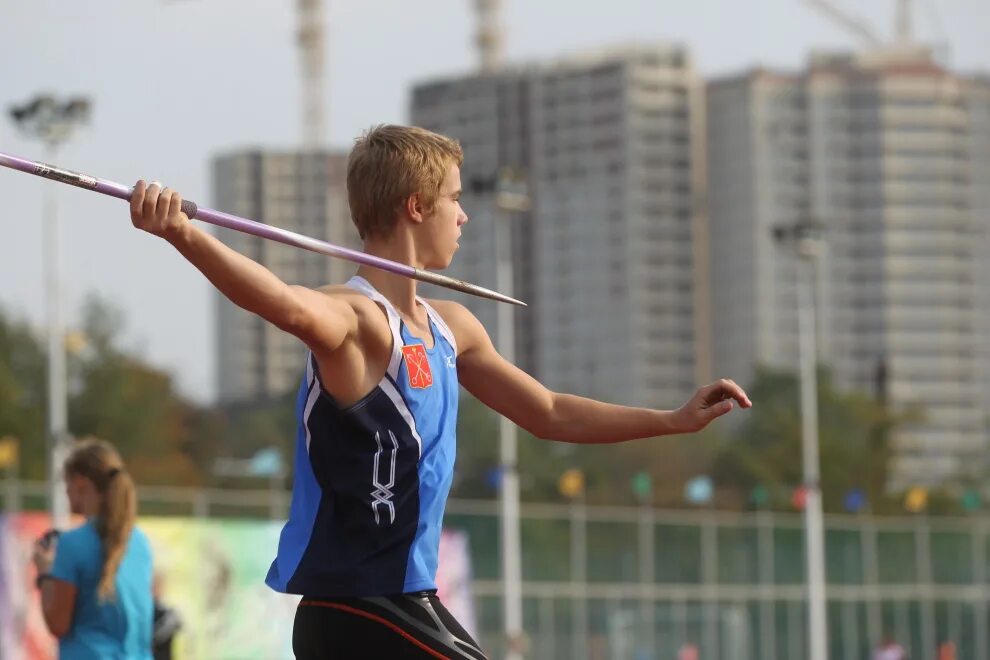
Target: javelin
column 254, row 228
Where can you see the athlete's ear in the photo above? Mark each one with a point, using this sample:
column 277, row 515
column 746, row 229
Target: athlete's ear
column 414, row 208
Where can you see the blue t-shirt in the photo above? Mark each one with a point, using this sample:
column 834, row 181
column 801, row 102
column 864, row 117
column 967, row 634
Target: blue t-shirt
column 118, row 628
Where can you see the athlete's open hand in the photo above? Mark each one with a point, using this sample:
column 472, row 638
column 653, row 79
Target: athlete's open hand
column 710, row 402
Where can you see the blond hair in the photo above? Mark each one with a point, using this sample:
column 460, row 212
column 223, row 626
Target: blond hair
column 390, row 163
column 99, row 462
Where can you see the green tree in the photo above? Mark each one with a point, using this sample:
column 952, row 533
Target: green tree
column 608, row 469
column 23, row 393
column 854, row 439
column 477, row 449
column 121, row 399
column 242, row 429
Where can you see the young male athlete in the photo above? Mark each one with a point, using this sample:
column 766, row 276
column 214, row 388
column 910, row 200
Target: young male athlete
column 378, row 403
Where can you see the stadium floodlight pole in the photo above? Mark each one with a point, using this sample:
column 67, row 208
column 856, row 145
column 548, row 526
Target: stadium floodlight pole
column 52, row 121
column 511, row 197
column 259, row 229
column 805, row 238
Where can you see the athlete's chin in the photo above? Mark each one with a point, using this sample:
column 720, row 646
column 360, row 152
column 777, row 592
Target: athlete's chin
column 440, row 262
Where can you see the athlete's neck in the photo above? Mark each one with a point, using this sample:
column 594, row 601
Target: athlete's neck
column 400, row 291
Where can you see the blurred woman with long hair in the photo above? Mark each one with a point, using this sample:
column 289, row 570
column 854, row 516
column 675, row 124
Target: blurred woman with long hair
column 95, row 580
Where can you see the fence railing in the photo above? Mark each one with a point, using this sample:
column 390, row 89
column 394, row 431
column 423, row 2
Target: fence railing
column 637, row 582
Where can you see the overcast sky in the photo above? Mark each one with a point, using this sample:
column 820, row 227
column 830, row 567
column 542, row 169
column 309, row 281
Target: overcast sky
column 174, row 82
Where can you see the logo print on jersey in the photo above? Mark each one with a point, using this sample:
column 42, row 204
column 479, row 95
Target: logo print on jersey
column 382, row 493
column 418, row 366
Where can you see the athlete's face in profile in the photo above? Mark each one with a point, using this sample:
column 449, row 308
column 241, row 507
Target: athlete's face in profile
column 444, row 224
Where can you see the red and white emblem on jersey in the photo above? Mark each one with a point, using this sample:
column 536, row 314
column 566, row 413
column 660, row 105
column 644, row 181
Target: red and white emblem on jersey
column 418, row 366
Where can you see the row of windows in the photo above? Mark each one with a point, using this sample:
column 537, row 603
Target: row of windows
column 611, row 117
column 862, row 203
column 582, row 102
column 874, row 99
column 581, row 171
column 863, row 151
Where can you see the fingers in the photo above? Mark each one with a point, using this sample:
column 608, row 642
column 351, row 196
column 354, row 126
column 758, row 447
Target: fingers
column 151, row 199
column 162, row 206
column 175, row 205
column 39, row 551
column 719, row 409
column 713, row 401
column 137, row 200
column 156, row 208
column 730, row 390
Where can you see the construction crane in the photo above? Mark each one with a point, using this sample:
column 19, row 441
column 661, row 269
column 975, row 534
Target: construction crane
column 311, row 37
column 902, row 29
column 904, row 41
column 489, row 38
column 855, row 25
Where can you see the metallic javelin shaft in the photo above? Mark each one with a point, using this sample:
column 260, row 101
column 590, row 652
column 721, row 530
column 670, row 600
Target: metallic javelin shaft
column 254, row 228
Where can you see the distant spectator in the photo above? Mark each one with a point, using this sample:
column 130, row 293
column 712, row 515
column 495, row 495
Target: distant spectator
column 889, row 650
column 95, row 580
column 688, row 651
column 167, row 622
column 947, row 650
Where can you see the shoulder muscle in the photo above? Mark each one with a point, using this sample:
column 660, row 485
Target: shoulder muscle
column 468, row 330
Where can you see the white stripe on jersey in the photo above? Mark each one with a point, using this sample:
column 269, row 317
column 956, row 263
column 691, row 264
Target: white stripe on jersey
column 400, row 405
column 440, row 323
column 358, row 283
column 314, row 394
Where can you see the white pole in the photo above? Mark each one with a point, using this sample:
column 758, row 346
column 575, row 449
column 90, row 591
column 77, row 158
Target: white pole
column 509, row 490
column 579, row 578
column 813, row 518
column 765, row 529
column 647, row 552
column 57, row 396
column 52, row 122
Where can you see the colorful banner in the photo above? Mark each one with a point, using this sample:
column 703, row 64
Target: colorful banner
column 23, row 635
column 212, row 573
column 454, row 579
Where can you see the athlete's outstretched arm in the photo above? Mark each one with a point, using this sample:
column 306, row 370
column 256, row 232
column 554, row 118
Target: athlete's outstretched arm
column 319, row 320
column 512, row 392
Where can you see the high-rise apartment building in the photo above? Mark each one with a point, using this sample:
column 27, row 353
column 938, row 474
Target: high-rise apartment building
column 304, row 192
column 889, row 152
column 611, row 255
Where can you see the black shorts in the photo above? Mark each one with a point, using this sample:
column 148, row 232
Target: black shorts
column 413, row 625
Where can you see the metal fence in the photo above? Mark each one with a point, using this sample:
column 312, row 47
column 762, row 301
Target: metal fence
column 635, row 582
